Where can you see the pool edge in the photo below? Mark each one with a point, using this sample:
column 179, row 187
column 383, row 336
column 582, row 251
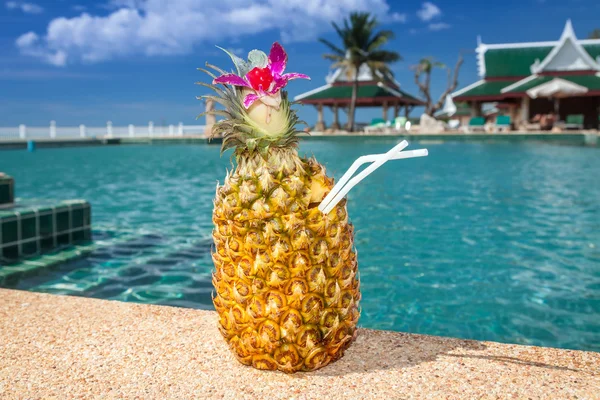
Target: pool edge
column 81, row 347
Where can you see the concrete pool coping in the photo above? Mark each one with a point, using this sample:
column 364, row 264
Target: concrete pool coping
column 575, row 138
column 70, row 347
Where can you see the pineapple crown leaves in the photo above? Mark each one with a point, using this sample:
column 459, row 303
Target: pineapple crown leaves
column 256, row 58
column 238, row 128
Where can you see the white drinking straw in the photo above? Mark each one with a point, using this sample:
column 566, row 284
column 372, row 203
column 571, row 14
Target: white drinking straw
column 354, row 167
column 341, row 189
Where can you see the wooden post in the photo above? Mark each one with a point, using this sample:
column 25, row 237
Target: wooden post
column 525, row 109
column 22, row 131
column 320, row 125
column 385, row 111
column 396, row 110
column 82, row 130
column 511, row 112
column 475, row 109
column 336, row 122
column 407, row 110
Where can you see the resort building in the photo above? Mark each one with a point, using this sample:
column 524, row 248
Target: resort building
column 529, row 80
column 372, row 92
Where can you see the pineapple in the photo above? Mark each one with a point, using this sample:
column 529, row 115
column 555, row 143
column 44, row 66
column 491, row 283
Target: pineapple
column 286, row 279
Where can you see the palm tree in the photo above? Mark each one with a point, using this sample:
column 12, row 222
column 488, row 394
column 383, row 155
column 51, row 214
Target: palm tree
column 361, row 44
column 595, row 34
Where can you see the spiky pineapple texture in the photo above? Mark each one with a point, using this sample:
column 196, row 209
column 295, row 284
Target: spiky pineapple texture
column 239, row 130
column 286, row 275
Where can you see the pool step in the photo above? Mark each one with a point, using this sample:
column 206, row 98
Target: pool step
column 33, row 227
column 7, row 191
column 76, row 282
column 12, row 273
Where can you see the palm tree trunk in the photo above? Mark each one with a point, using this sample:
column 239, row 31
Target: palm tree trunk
column 352, row 111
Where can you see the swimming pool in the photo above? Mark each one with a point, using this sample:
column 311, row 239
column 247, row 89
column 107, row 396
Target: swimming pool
column 484, row 241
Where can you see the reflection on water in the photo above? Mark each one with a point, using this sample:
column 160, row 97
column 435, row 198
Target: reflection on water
column 485, row 241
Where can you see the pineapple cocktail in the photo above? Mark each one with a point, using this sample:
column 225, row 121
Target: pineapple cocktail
column 287, row 288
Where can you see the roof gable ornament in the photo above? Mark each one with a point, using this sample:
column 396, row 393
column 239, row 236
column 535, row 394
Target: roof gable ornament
column 481, row 49
column 535, row 66
column 567, row 55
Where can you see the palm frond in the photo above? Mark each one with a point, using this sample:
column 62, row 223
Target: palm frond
column 333, row 57
column 379, row 39
column 333, row 47
column 384, row 56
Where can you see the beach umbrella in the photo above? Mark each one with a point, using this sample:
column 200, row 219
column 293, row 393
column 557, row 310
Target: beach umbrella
column 556, row 89
column 449, row 108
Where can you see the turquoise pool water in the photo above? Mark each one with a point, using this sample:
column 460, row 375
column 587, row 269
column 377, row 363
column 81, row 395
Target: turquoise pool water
column 485, row 241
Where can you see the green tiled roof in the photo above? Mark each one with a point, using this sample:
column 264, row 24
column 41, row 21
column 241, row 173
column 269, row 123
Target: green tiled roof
column 517, row 61
column 364, row 91
column 531, row 84
column 592, row 82
column 592, row 49
column 513, row 62
column 490, row 88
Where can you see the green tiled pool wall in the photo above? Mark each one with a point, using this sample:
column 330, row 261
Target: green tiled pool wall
column 7, row 190
column 26, row 231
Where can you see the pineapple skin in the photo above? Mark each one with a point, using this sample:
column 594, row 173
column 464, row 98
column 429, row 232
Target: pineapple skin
column 286, row 278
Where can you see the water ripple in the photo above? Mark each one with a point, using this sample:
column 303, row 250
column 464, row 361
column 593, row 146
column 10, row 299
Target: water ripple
column 484, row 241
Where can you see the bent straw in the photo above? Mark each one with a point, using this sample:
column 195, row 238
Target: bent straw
column 353, row 168
column 339, row 190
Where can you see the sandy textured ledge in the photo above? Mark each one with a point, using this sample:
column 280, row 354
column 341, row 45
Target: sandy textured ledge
column 67, row 347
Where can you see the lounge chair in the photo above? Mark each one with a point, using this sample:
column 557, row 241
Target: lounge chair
column 475, row 124
column 377, row 124
column 400, row 124
column 502, row 123
column 574, row 121
column 454, row 123
column 531, row 126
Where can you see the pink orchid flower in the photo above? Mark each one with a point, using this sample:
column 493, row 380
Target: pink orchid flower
column 265, row 82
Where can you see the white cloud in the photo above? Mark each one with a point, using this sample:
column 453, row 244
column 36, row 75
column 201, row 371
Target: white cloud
column 398, row 17
column 157, row 27
column 428, row 11
column 27, row 8
column 27, row 40
column 30, row 45
column 79, row 7
column 438, row 26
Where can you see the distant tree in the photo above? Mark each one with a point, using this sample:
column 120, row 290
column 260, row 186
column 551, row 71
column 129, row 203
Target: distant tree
column 423, row 72
column 595, row 34
column 361, row 44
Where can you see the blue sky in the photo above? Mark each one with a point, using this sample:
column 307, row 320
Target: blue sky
column 131, row 61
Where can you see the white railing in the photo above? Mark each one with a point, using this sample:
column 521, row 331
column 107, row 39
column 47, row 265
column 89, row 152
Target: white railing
column 54, row 131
